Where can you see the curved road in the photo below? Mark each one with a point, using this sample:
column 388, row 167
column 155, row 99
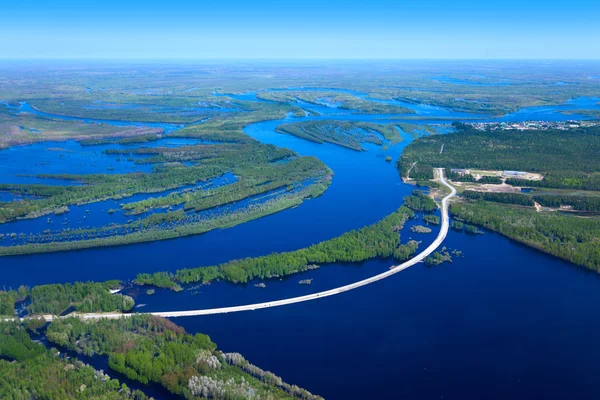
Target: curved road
column 277, row 303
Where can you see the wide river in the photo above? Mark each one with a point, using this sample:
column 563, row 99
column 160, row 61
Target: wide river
column 502, row 321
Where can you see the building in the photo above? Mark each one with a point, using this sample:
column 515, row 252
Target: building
column 514, row 173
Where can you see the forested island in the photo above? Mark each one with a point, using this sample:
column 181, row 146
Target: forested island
column 266, row 178
column 348, row 134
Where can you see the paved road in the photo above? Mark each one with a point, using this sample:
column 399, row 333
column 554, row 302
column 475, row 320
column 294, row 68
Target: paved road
column 277, row 303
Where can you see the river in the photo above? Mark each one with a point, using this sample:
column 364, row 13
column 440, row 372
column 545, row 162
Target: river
column 501, row 321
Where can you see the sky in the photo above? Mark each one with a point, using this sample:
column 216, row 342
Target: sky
column 307, row 29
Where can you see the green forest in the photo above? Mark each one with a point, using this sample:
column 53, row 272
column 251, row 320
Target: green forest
column 82, row 296
column 153, row 349
column 142, row 348
column 566, row 158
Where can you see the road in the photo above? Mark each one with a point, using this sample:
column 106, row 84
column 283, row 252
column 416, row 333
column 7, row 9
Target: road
column 277, row 303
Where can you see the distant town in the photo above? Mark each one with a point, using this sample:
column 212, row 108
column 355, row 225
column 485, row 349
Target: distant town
column 530, row 125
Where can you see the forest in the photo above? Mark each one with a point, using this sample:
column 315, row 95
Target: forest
column 81, row 296
column 152, row 349
column 37, row 373
column 505, row 198
column 566, row 158
column 419, row 201
column 579, row 203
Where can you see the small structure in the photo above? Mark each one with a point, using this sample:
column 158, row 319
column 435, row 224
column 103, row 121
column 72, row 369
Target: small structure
column 459, row 171
column 514, row 173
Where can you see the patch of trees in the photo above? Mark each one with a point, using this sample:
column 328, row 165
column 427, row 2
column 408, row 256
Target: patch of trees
column 35, row 372
column 419, row 201
column 580, row 203
column 457, row 225
column 83, row 296
column 158, row 279
column 431, row 219
column 15, row 343
column 7, row 302
column 439, row 257
column 505, row 198
column 153, row 349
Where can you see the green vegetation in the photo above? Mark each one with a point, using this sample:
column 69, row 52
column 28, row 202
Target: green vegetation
column 420, row 229
column 21, row 129
column 415, row 130
column 579, row 203
column 457, row 225
column 343, row 133
column 143, row 348
column 439, row 257
column 15, row 343
column 153, row 349
column 36, row 373
column 378, row 240
column 571, row 238
column 333, row 99
column 83, row 297
column 158, row 279
column 472, row 230
column 566, row 159
column 505, row 198
column 7, row 302
column 431, row 219
column 495, row 180
column 419, row 201
column 590, row 113
column 259, row 170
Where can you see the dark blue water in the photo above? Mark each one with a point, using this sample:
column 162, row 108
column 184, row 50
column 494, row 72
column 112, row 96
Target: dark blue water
column 504, row 321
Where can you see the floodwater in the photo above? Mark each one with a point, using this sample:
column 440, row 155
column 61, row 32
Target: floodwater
column 501, row 321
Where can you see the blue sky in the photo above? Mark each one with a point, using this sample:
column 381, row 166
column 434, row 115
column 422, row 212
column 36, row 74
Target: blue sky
column 300, row 29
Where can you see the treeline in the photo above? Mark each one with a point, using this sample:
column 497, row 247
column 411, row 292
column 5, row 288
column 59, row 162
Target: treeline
column 419, row 201
column 456, row 177
column 505, row 198
column 566, row 158
column 579, row 203
column 569, row 237
column 83, row 297
column 153, row 349
column 562, row 180
column 377, row 240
